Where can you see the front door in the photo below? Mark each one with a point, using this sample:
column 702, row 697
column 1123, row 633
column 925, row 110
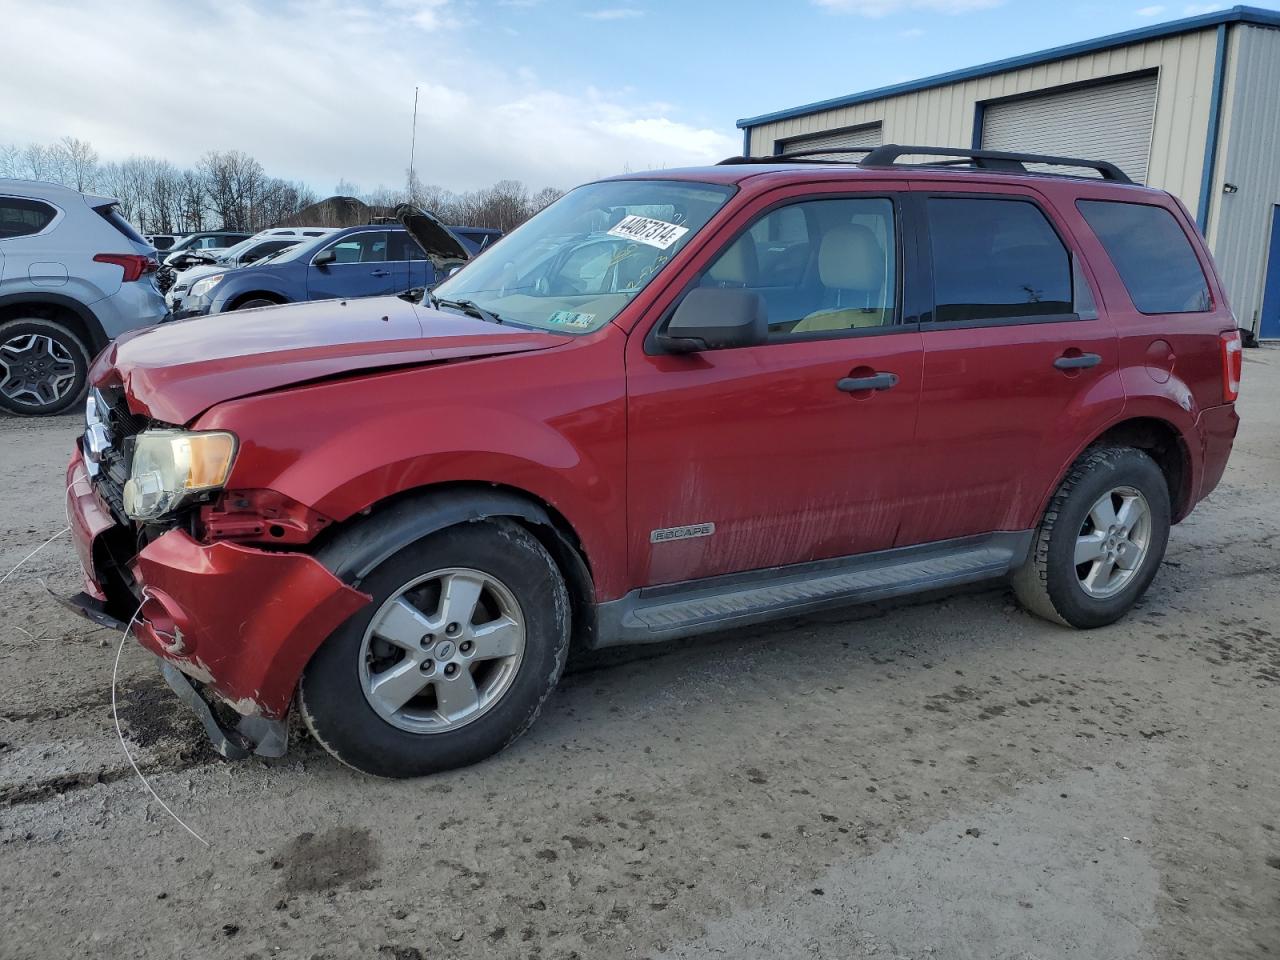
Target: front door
column 359, row 269
column 1017, row 363
column 794, row 450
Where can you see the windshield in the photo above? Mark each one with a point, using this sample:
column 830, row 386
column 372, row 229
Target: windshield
column 574, row 266
column 229, row 254
column 304, row 249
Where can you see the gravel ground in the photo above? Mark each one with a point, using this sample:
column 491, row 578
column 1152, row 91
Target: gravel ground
column 952, row 778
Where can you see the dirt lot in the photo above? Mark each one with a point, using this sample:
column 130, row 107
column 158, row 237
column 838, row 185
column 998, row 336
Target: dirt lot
column 945, row 779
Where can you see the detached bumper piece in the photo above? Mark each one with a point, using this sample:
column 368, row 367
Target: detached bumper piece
column 252, row 735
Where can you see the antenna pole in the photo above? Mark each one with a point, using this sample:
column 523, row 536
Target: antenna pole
column 413, row 141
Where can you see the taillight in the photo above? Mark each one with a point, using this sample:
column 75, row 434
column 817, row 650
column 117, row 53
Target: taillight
column 1232, row 364
column 135, row 265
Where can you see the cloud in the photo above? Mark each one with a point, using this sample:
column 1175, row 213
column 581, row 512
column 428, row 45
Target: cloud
column 1153, row 11
column 614, row 13
column 911, row 33
column 884, row 8
column 322, row 90
column 1192, row 9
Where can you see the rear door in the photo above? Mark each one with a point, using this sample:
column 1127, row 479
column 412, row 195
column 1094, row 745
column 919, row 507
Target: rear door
column 359, row 270
column 749, row 458
column 1018, row 366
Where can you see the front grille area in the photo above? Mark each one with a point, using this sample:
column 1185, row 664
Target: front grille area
column 121, row 424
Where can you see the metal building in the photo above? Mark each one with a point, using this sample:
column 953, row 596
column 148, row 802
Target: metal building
column 1191, row 106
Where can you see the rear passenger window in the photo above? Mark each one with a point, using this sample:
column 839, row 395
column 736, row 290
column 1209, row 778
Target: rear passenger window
column 1152, row 255
column 996, row 260
column 20, row 217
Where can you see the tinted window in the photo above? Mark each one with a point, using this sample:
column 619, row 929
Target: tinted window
column 996, row 259
column 821, row 265
column 361, row 248
column 1152, row 255
column 403, row 248
column 20, row 217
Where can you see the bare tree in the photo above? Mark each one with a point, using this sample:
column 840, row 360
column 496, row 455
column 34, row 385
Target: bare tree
column 79, row 162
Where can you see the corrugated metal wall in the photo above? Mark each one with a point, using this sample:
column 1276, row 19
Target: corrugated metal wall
column 1249, row 157
column 943, row 116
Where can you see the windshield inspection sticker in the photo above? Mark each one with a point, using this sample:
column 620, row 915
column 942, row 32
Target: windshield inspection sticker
column 656, row 233
column 567, row 318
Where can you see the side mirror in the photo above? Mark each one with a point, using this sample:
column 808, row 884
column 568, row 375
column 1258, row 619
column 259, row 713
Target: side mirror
column 324, row 258
column 711, row 318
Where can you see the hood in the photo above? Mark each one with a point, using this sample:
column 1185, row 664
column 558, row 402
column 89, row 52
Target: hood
column 175, row 371
column 440, row 244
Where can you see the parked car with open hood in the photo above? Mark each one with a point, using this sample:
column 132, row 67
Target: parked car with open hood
column 668, row 404
column 175, row 280
column 363, row 261
column 73, row 275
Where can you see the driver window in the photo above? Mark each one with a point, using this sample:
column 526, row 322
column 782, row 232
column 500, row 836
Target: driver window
column 821, row 266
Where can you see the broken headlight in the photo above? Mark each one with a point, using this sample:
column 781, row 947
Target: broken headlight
column 205, row 284
column 172, row 467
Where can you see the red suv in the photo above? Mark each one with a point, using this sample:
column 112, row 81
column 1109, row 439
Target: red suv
column 670, row 403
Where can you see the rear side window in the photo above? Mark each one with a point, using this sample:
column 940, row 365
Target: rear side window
column 20, row 217
column 111, row 214
column 996, row 260
column 1151, row 253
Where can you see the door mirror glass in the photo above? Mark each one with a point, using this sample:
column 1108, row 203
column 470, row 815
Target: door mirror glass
column 716, row 319
column 324, row 258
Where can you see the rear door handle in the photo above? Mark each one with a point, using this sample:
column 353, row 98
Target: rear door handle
column 881, row 381
column 380, row 273
column 1080, row 362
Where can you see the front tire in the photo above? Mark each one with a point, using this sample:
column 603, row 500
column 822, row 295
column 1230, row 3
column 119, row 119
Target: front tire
column 465, row 639
column 1100, row 542
column 44, row 367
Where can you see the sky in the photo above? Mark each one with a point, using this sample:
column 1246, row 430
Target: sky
column 551, row 92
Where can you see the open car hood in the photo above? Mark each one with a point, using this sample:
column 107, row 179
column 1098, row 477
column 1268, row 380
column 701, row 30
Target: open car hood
column 441, row 246
column 176, row 371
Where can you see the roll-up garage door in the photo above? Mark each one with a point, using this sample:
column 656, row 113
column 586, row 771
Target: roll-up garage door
column 1110, row 121
column 866, row 136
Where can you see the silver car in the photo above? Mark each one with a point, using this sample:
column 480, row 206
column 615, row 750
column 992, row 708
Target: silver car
column 74, row 274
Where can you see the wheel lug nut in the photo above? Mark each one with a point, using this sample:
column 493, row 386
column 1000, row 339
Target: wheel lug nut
column 426, row 666
column 450, row 669
column 466, row 646
column 452, row 629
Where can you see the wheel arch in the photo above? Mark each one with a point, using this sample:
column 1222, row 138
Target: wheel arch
column 353, row 549
column 1160, row 439
column 72, row 314
column 277, row 298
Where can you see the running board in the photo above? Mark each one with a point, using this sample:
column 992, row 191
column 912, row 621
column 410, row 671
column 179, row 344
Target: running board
column 701, row 606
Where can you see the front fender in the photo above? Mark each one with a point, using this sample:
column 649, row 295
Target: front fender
column 549, row 423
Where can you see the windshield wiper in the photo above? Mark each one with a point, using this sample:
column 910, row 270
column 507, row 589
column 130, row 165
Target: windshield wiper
column 469, row 307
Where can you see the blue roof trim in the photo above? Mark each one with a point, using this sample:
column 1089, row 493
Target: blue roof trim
column 1240, row 14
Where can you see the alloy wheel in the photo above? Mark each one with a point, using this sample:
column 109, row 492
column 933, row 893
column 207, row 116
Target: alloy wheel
column 1113, row 542
column 36, row 370
column 442, row 650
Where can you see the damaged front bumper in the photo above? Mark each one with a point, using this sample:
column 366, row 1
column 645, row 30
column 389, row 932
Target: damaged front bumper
column 233, row 625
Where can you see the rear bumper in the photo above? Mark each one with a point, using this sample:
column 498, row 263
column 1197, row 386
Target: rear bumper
column 240, row 622
column 1217, row 427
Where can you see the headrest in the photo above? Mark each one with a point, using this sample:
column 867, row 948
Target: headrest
column 737, row 265
column 851, row 258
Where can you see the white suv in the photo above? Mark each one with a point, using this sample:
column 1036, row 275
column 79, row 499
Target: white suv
column 74, row 274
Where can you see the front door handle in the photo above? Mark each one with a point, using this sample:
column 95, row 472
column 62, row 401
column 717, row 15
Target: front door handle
column 1080, row 361
column 881, row 381
column 380, row 273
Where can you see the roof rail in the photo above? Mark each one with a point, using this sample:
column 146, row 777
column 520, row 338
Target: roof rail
column 888, row 154
column 801, row 156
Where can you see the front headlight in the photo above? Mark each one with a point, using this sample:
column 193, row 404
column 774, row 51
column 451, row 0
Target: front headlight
column 205, row 284
column 172, row 466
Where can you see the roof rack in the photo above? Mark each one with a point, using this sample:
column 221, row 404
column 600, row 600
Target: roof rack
column 888, row 155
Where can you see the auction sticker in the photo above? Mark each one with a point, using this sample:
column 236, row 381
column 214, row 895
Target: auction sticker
column 567, row 318
column 655, row 233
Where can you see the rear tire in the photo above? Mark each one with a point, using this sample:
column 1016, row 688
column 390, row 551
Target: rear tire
column 1100, row 542
column 257, row 302
column 411, row 686
column 44, row 367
